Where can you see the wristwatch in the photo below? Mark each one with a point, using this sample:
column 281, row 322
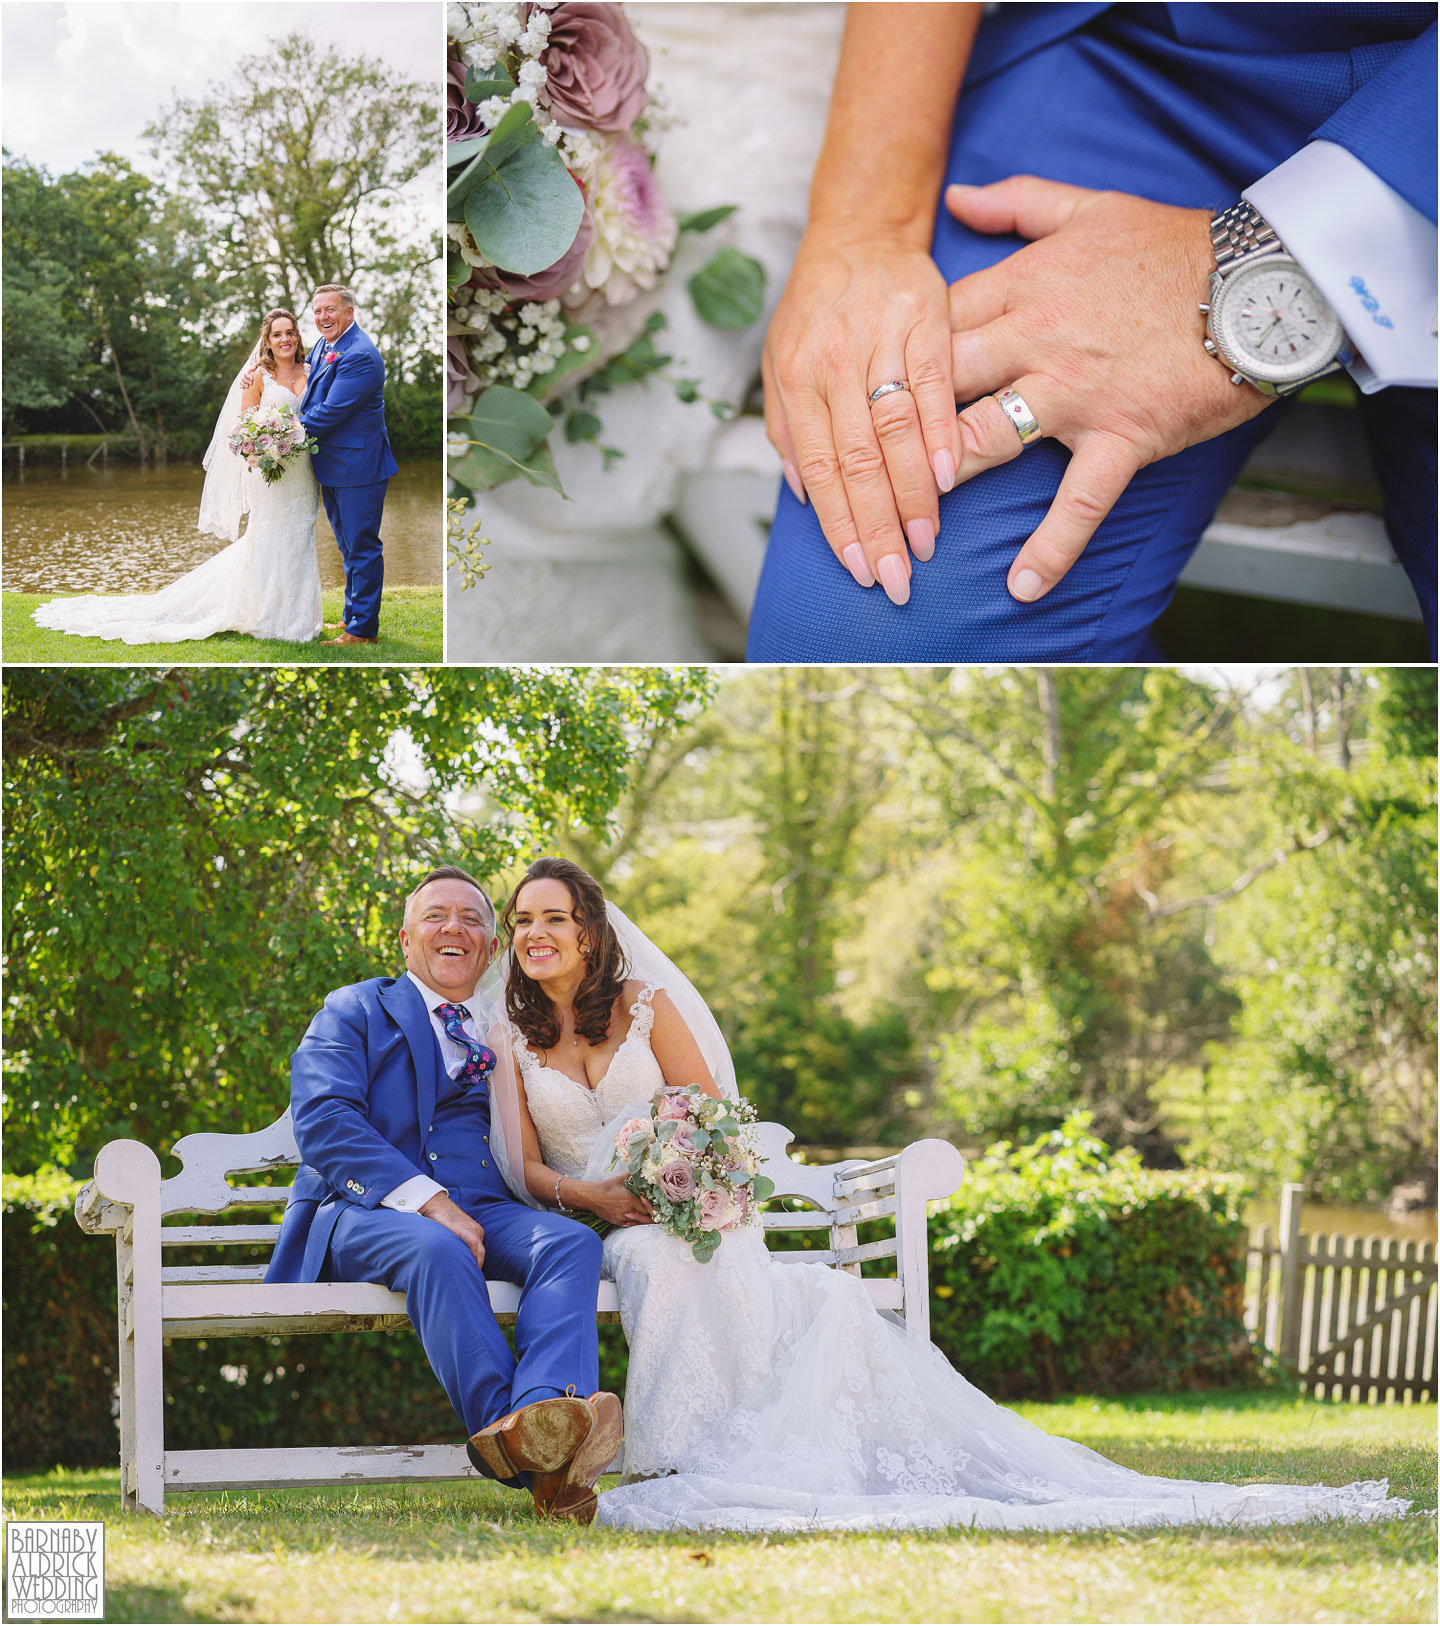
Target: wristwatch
column 1265, row 319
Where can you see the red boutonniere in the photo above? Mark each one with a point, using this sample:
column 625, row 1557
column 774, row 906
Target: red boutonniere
column 331, row 356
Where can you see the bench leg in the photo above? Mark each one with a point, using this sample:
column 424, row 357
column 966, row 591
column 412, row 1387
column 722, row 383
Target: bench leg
column 142, row 1380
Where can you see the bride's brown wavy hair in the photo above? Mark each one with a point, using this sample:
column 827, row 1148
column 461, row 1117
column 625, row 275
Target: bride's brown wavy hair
column 267, row 353
column 529, row 1006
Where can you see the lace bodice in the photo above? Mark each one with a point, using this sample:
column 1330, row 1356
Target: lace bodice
column 568, row 1115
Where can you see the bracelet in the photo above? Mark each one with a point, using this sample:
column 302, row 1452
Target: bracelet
column 560, row 1205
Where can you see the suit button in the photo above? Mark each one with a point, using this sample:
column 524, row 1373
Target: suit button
column 486, row 1139
column 484, row 1162
column 433, row 1157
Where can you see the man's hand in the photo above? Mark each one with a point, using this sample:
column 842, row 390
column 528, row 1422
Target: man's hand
column 449, row 1213
column 1096, row 324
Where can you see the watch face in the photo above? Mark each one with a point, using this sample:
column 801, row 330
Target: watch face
column 1271, row 322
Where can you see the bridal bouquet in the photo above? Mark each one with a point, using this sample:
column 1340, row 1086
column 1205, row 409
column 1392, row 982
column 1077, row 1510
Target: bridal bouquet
column 269, row 437
column 692, row 1159
column 556, row 226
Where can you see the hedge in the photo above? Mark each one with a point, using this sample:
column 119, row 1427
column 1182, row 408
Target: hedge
column 1061, row 1267
column 1053, row 1270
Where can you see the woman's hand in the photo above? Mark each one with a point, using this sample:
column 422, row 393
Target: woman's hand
column 857, row 312
column 609, row 1200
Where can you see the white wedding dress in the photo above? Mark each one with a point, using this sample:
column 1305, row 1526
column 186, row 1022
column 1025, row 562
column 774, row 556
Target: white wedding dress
column 774, row 1396
column 267, row 584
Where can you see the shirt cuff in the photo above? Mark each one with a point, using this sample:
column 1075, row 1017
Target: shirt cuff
column 1368, row 251
column 412, row 1196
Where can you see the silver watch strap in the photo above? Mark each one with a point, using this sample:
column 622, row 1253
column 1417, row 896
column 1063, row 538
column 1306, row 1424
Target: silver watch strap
column 1241, row 230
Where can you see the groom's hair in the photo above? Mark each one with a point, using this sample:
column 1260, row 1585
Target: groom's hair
column 334, row 288
column 449, row 872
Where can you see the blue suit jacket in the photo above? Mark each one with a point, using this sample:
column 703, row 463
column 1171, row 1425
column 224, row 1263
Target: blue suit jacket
column 362, row 1090
column 1360, row 75
column 344, row 408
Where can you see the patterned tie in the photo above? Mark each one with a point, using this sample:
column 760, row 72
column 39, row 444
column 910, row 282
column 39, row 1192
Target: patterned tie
column 479, row 1058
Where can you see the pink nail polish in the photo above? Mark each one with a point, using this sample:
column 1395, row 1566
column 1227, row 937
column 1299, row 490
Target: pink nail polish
column 1027, row 585
column 857, row 565
column 922, row 539
column 792, row 479
column 893, row 578
column 944, row 466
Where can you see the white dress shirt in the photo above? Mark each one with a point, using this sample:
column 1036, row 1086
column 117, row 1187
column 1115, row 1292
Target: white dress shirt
column 412, row 1195
column 1362, row 245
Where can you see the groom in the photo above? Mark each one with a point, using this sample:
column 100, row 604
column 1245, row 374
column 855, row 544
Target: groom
column 344, row 408
column 390, row 1097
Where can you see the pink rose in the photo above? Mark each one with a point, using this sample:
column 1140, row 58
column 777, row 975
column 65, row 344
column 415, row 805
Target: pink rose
column 462, row 119
column 677, row 1181
column 458, row 376
column 673, row 1105
column 597, row 68
column 629, row 1129
column 713, row 1204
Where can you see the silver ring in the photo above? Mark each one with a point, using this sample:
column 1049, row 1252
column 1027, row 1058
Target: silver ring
column 888, row 389
column 1012, row 403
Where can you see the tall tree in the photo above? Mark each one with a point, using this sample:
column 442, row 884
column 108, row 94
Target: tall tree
column 309, row 166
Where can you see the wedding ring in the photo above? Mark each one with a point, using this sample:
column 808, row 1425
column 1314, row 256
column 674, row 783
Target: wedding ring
column 888, row 389
column 1012, row 403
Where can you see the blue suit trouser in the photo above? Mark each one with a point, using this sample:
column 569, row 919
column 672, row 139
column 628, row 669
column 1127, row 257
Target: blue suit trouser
column 553, row 1260
column 354, row 513
column 1096, row 113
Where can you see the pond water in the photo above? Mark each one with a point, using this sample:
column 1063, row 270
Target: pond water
column 1325, row 1219
column 132, row 530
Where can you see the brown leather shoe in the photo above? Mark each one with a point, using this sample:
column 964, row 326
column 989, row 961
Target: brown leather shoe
column 570, row 1492
column 333, row 626
column 351, row 638
column 538, row 1439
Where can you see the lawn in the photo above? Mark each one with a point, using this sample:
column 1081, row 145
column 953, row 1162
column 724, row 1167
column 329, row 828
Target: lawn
column 474, row 1553
column 411, row 632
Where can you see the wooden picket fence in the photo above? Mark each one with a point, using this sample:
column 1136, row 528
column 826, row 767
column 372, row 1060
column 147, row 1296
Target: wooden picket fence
column 1355, row 1316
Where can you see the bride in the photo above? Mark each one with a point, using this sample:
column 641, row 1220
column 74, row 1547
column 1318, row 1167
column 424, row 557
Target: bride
column 267, row 582
column 766, row 1396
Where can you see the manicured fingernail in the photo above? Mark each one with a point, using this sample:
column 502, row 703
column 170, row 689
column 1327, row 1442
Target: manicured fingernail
column 893, row 579
column 856, row 564
column 1027, row 585
column 944, row 466
column 922, row 538
column 792, row 479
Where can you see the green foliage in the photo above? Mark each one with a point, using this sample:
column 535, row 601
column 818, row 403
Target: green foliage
column 506, row 434
column 1060, row 1267
column 280, row 204
column 516, row 196
column 728, row 291
column 194, row 858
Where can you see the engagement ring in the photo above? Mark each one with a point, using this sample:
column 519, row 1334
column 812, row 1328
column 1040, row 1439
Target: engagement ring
column 888, row 389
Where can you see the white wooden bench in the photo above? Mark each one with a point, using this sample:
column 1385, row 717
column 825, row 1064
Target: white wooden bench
column 129, row 1199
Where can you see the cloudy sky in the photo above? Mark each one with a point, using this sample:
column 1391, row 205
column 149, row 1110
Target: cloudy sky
column 86, row 75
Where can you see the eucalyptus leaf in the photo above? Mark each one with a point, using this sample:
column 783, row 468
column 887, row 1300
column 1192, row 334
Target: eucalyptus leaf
column 703, row 219
column 728, row 291
column 582, row 426
column 519, row 201
column 763, row 1187
column 457, row 270
column 543, row 385
column 483, row 83
column 508, row 421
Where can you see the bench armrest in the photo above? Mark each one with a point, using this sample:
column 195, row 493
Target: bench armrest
column 127, row 1176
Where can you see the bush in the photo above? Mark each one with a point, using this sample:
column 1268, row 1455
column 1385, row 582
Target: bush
column 1062, row 1267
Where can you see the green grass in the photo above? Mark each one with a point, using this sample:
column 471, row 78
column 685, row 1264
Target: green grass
column 473, row 1552
column 411, row 632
